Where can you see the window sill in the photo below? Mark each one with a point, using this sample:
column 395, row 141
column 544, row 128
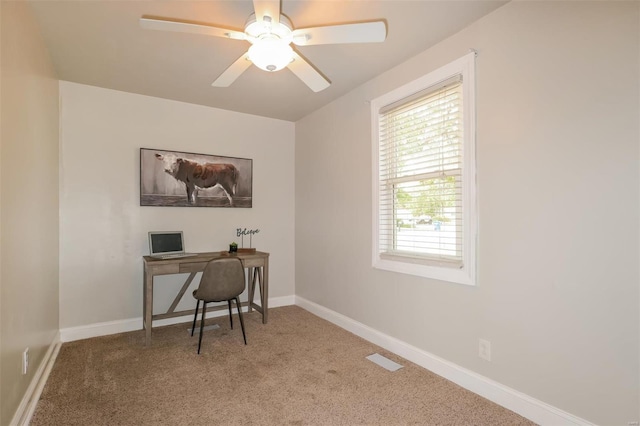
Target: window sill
column 454, row 275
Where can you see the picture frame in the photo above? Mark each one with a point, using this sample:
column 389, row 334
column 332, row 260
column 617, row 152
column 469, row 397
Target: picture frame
column 185, row 179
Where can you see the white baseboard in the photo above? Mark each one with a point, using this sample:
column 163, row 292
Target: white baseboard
column 27, row 406
column 121, row 326
column 276, row 302
column 518, row 402
column 99, row 329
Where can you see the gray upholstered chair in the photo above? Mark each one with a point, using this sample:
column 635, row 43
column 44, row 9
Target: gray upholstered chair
column 222, row 280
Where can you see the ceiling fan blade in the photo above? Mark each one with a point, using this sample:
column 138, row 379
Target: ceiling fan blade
column 233, row 72
column 364, row 32
column 189, row 27
column 307, row 73
column 270, row 8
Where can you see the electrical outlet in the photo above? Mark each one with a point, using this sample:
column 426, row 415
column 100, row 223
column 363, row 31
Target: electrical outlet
column 485, row 350
column 25, row 361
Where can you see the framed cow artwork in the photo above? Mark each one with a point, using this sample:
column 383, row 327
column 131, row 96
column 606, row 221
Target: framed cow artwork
column 183, row 179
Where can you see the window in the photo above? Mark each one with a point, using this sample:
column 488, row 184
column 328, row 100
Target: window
column 424, row 176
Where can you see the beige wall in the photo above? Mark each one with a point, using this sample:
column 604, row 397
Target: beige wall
column 104, row 229
column 557, row 157
column 558, row 171
column 29, row 208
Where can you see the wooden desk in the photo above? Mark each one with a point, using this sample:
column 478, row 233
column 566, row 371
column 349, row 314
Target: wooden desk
column 257, row 264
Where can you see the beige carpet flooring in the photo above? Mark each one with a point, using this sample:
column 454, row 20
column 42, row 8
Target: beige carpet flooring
column 296, row 370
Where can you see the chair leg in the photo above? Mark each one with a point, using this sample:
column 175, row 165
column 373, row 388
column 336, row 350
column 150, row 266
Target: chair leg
column 195, row 315
column 204, row 309
column 230, row 316
column 241, row 320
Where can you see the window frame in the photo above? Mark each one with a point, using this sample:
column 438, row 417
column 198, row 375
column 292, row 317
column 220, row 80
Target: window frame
column 465, row 67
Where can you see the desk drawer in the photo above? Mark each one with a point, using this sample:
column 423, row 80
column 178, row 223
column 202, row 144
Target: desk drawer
column 192, row 267
column 253, row 263
column 165, row 269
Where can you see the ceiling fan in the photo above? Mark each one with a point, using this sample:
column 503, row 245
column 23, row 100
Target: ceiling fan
column 271, row 34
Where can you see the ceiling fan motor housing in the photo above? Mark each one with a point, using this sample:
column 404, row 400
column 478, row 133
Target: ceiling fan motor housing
column 281, row 29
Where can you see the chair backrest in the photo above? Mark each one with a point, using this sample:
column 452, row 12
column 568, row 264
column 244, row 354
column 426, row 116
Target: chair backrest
column 222, row 279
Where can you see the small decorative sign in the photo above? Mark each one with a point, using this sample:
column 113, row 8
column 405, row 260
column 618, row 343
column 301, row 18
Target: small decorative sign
column 241, row 232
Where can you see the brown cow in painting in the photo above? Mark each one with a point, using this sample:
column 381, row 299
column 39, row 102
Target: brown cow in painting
column 196, row 176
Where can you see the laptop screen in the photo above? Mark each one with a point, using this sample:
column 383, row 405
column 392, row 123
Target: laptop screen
column 165, row 242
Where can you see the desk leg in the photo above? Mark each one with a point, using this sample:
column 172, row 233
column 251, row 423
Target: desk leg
column 252, row 288
column 148, row 307
column 261, row 275
column 264, row 291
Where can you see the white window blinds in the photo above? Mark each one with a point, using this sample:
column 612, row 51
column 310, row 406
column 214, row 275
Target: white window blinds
column 420, row 176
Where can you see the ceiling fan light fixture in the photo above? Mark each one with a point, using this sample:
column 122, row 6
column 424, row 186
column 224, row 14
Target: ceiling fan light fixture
column 270, row 54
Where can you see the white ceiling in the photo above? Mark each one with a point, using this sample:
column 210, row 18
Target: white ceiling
column 100, row 43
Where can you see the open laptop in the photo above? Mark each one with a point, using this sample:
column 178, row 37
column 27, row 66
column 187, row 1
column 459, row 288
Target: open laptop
column 167, row 245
